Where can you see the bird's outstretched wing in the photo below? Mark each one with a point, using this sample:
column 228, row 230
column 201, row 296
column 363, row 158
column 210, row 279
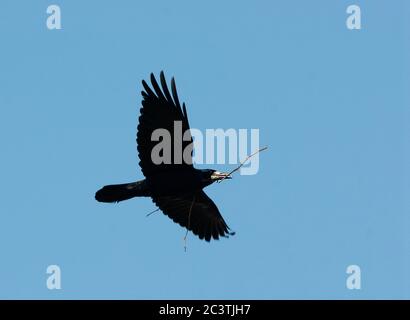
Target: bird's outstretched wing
column 159, row 111
column 195, row 211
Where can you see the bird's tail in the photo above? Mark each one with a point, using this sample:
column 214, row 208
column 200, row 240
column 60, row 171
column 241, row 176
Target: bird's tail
column 120, row 192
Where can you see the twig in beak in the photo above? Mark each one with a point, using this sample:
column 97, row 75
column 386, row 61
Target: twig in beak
column 242, row 163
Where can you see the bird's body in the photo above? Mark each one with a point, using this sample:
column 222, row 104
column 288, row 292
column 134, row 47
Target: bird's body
column 188, row 181
column 175, row 187
column 161, row 184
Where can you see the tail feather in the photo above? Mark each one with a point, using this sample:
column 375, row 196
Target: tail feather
column 120, row 192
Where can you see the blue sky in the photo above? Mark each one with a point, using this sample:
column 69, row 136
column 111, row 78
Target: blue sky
column 331, row 104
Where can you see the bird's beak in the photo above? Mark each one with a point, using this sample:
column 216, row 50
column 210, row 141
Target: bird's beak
column 216, row 176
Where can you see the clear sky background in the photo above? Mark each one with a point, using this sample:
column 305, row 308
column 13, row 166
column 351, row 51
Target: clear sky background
column 331, row 103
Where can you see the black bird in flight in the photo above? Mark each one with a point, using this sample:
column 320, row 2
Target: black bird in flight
column 175, row 187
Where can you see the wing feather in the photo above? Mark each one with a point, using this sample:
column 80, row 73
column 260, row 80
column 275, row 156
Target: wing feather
column 205, row 220
column 160, row 111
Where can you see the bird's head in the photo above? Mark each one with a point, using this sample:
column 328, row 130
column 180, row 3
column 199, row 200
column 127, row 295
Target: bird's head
column 210, row 176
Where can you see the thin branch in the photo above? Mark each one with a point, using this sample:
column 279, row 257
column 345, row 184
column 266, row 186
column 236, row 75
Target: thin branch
column 152, row 212
column 189, row 222
column 243, row 162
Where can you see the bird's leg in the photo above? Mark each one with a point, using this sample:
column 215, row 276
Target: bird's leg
column 189, row 222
